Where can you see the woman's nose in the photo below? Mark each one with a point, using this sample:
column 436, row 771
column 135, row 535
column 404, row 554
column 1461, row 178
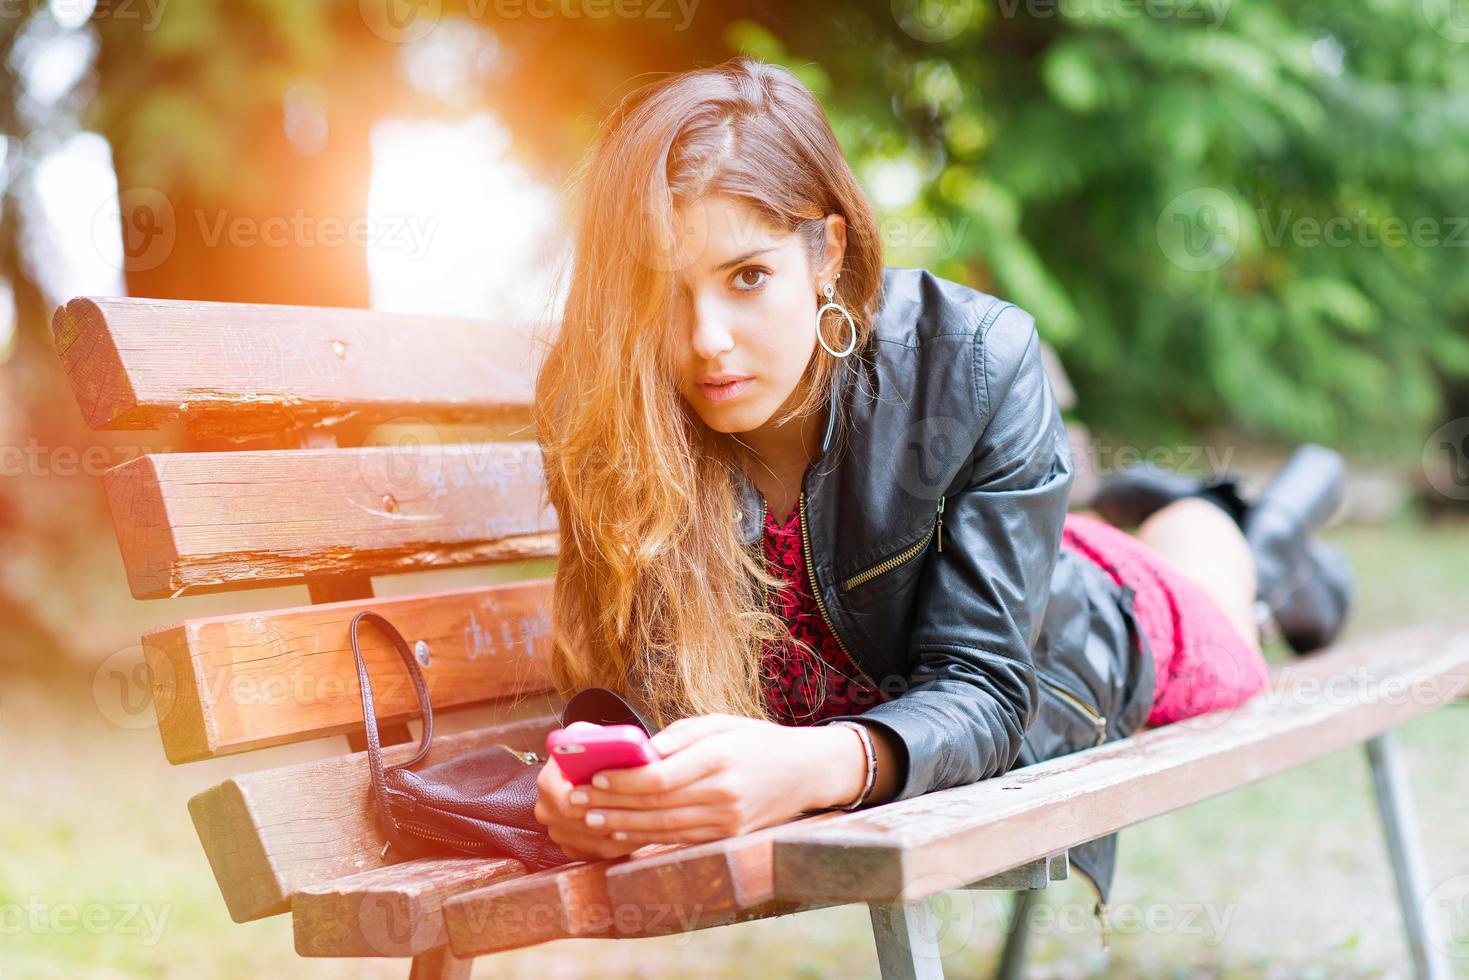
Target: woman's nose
column 711, row 336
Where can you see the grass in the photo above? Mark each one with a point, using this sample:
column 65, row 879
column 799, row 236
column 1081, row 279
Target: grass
column 104, row 876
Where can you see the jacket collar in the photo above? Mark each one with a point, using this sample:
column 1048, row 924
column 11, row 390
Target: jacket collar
column 747, row 495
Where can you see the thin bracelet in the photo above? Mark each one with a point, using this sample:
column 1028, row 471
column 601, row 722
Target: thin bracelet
column 866, row 737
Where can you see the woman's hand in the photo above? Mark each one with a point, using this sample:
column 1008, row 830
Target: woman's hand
column 720, row 775
column 566, row 821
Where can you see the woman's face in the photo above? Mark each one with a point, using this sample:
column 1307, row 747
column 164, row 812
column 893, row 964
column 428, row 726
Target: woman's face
column 746, row 309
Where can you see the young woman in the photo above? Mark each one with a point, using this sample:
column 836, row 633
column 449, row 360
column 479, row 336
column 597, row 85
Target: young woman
column 813, row 512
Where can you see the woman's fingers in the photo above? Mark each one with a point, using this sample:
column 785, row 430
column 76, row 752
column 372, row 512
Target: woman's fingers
column 663, row 821
column 699, row 759
column 680, row 734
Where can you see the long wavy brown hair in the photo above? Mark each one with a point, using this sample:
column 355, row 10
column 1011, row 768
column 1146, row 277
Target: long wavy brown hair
column 655, row 595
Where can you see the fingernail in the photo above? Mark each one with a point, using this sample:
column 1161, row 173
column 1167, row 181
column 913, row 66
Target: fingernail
column 599, row 781
column 595, row 819
column 619, row 835
column 579, row 797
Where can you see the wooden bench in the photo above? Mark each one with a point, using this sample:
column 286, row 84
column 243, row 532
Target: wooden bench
column 291, row 506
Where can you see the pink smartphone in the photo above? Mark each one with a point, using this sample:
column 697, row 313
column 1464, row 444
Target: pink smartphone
column 585, row 751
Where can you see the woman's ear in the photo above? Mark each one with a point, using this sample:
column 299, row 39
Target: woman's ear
column 836, row 250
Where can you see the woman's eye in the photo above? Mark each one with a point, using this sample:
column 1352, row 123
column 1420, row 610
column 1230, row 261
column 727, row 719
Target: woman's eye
column 742, row 279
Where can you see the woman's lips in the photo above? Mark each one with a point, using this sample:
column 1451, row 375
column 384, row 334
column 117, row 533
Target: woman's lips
column 721, row 393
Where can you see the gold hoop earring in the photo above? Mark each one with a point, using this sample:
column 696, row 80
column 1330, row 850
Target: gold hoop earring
column 832, row 304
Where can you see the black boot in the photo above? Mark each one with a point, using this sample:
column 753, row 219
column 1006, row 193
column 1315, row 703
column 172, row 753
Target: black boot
column 1306, row 585
column 1313, row 612
column 1130, row 497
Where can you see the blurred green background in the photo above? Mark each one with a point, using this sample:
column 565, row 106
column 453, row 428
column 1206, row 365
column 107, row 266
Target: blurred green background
column 1241, row 224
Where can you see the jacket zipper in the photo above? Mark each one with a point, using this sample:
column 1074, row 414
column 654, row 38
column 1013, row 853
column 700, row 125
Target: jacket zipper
column 908, row 553
column 1092, row 714
column 816, row 591
column 938, row 528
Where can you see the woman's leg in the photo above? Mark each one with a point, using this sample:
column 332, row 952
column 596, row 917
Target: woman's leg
column 1204, row 543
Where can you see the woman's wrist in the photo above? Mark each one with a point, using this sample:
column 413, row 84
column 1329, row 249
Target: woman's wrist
column 837, row 766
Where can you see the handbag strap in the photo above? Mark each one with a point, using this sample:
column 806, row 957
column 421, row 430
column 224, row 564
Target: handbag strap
column 369, row 718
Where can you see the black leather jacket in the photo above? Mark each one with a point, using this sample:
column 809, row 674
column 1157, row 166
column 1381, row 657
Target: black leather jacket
column 932, row 520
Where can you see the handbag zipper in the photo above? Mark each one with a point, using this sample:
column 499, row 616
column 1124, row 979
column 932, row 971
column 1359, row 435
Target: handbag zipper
column 887, row 565
column 419, row 830
column 527, row 757
column 1092, row 714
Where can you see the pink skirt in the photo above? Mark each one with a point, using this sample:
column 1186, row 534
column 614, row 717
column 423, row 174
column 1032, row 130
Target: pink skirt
column 1200, row 661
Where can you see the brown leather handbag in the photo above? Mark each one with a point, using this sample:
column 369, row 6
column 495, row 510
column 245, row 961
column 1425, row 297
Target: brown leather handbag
column 482, row 802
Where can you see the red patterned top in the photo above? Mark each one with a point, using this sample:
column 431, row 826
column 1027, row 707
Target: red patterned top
column 794, row 680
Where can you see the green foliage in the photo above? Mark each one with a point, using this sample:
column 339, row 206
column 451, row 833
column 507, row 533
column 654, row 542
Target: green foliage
column 1250, row 213
column 1246, row 213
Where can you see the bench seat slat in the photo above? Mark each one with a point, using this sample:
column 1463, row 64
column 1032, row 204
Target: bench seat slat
column 246, row 369
column 271, row 834
column 233, row 683
column 912, row 848
column 656, row 890
column 210, row 522
column 391, row 911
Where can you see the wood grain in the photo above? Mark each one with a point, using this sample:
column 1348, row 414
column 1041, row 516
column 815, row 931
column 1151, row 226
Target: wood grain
column 210, row 522
column 912, row 848
column 392, row 911
column 233, row 683
column 270, row 834
column 239, row 370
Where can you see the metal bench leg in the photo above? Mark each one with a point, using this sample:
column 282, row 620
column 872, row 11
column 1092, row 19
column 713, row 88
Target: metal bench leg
column 1404, row 848
column 907, row 943
column 1012, row 960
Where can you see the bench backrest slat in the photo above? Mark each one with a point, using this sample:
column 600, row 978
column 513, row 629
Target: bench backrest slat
column 207, row 522
column 244, row 368
column 228, row 684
